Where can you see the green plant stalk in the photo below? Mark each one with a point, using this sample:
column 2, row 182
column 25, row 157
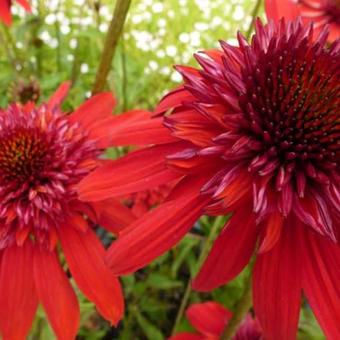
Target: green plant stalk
column 11, row 48
column 111, row 41
column 241, row 309
column 203, row 255
column 254, row 15
column 124, row 77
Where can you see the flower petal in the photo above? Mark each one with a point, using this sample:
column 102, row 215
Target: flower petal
column 138, row 171
column 320, row 280
column 5, row 12
column 277, row 9
column 56, row 294
column 96, row 108
column 277, row 287
column 25, row 4
column 85, row 258
column 138, row 128
column 209, row 318
column 158, row 230
column 113, row 215
column 231, row 251
column 18, row 299
column 59, row 95
column 173, row 99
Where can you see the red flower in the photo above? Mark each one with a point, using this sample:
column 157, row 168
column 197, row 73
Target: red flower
column 43, row 155
column 321, row 12
column 255, row 133
column 210, row 320
column 5, row 9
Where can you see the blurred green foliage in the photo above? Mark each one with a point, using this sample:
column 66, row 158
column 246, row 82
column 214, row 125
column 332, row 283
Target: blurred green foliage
column 61, row 41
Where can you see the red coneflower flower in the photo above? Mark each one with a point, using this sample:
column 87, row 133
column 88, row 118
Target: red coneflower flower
column 320, row 12
column 43, row 155
column 255, row 133
column 5, row 9
column 210, row 320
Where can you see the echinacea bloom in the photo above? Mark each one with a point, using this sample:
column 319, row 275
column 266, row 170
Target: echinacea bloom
column 44, row 153
column 5, row 9
column 322, row 13
column 23, row 92
column 255, row 132
column 210, row 320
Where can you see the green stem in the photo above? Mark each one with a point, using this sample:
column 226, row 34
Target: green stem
column 241, row 309
column 124, row 77
column 254, row 15
column 112, row 37
column 203, row 255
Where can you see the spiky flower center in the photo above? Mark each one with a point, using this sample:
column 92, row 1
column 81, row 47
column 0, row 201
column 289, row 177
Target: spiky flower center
column 22, row 155
column 42, row 157
column 292, row 102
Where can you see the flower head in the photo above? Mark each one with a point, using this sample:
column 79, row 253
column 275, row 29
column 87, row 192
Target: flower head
column 320, row 12
column 23, row 92
column 44, row 153
column 5, row 9
column 210, row 319
column 254, row 132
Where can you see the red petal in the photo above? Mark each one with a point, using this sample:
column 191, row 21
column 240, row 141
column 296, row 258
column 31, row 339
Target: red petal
column 138, row 171
column 277, row 287
column 58, row 97
column 85, row 258
column 231, row 251
column 94, row 109
column 113, row 215
column 18, row 299
column 273, row 231
column 5, row 12
column 25, row 4
column 174, row 99
column 157, row 231
column 321, row 272
column 277, row 9
column 209, row 318
column 56, row 294
column 138, row 128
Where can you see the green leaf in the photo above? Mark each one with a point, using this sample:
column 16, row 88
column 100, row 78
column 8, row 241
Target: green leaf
column 162, row 282
column 150, row 330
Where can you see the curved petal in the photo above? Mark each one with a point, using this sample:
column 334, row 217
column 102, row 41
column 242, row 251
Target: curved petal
column 18, row 299
column 277, row 287
column 173, row 99
column 231, row 251
column 113, row 215
column 139, row 128
column 320, row 280
column 138, row 171
column 277, row 9
column 85, row 258
column 56, row 294
column 59, row 95
column 5, row 12
column 209, row 318
column 25, row 4
column 94, row 109
column 158, row 230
